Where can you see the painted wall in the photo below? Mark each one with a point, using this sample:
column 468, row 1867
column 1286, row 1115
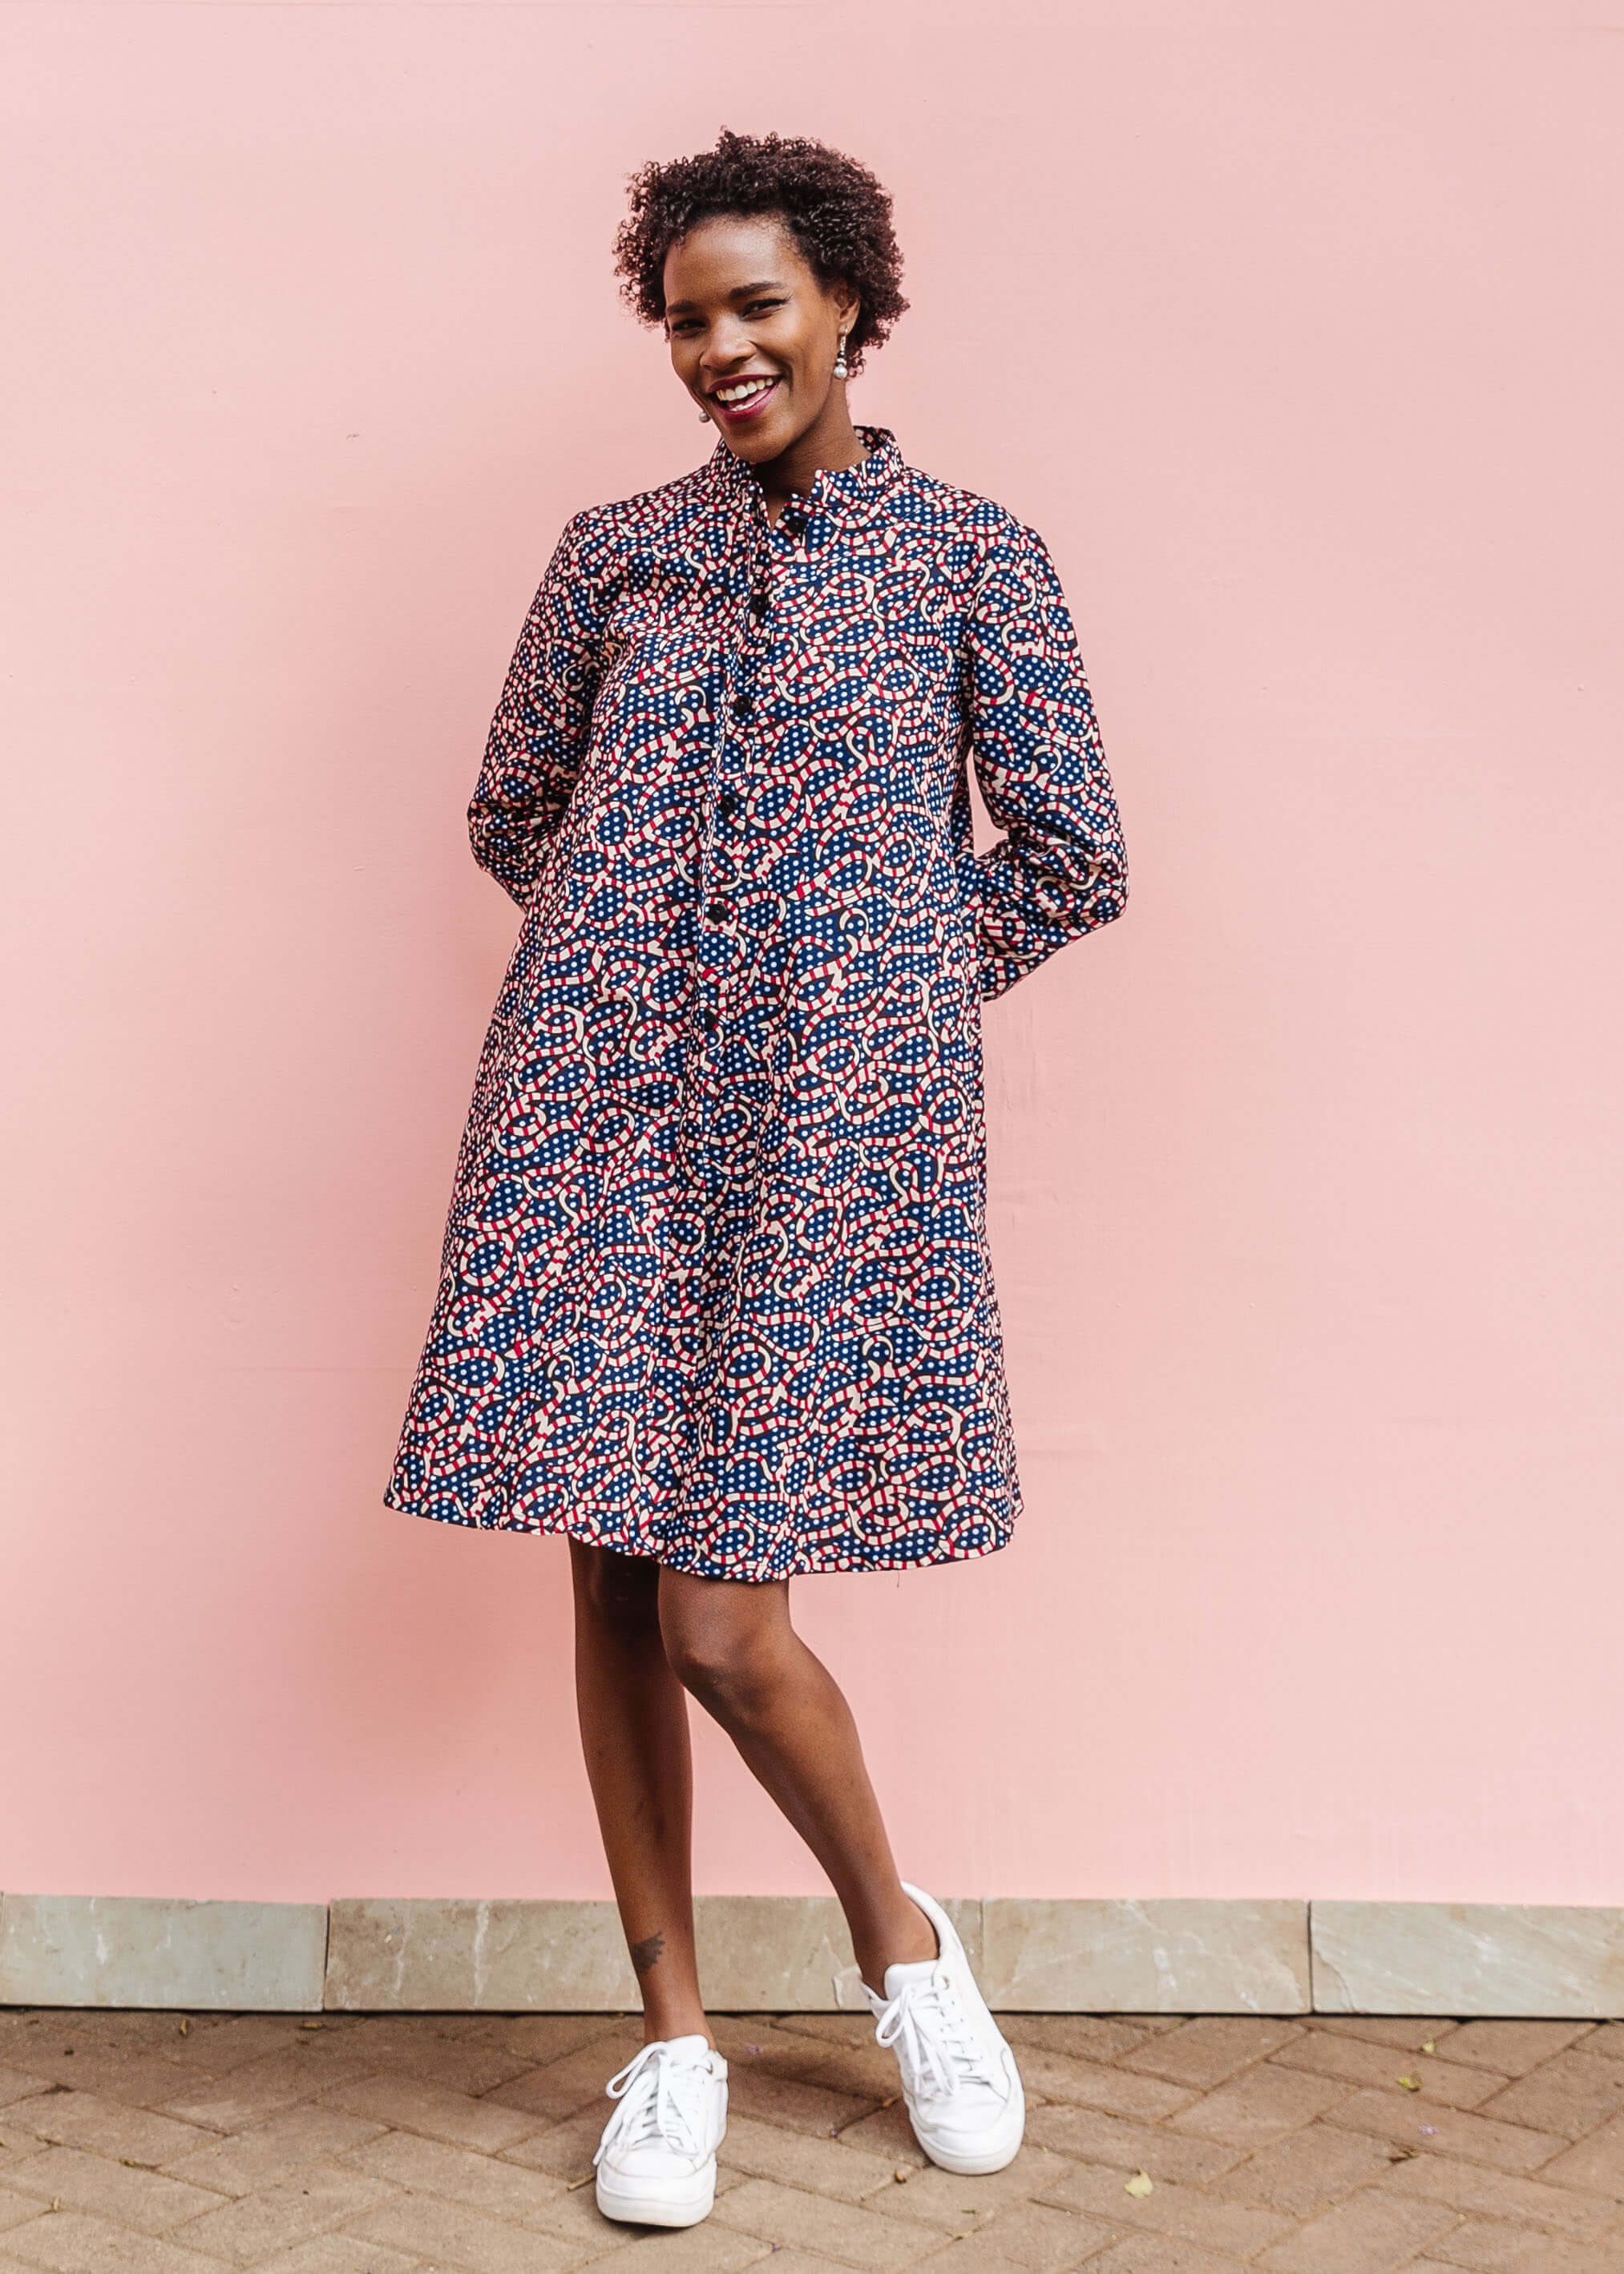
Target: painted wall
column 1297, row 332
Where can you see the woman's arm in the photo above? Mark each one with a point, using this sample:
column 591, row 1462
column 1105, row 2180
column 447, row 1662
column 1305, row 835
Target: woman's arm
column 538, row 737
column 1060, row 869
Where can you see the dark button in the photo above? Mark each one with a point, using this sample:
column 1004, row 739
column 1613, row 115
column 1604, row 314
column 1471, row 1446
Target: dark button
column 742, row 706
column 729, row 804
column 717, row 910
column 707, row 1020
column 759, row 604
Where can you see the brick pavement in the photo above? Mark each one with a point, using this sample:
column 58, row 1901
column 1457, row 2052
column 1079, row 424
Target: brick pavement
column 159, row 2143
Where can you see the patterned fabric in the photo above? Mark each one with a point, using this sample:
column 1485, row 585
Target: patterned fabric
column 715, row 1286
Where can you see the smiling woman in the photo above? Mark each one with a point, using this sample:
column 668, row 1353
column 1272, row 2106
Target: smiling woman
column 772, row 265
column 716, row 1299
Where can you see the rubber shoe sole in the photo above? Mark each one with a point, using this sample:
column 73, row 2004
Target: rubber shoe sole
column 1001, row 2148
column 666, row 2207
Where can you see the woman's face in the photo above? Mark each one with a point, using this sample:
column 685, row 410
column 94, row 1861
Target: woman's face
column 753, row 333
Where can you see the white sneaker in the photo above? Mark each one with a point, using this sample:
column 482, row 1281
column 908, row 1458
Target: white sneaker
column 958, row 2074
column 656, row 2160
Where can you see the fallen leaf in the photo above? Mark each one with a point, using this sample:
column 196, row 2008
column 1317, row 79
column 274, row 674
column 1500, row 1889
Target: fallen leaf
column 1410, row 2083
column 1431, row 2046
column 56, row 2203
column 311, row 2025
column 891, row 2102
column 1140, row 2184
column 1401, row 2155
column 586, row 2182
column 902, row 2175
column 185, row 2027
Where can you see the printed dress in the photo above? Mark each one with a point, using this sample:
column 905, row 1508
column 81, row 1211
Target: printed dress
column 715, row 1286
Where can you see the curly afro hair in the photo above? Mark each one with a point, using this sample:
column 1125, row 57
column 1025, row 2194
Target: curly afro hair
column 835, row 209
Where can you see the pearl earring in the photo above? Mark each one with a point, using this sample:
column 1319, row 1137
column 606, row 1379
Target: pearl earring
column 704, row 417
column 840, row 369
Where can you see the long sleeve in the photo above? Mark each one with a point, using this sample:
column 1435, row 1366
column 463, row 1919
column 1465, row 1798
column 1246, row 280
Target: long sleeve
column 1060, row 869
column 538, row 737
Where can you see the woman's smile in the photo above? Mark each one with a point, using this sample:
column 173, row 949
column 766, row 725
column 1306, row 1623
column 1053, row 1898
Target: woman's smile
column 738, row 399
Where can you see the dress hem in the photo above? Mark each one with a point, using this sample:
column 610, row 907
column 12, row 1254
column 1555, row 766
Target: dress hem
column 801, row 1569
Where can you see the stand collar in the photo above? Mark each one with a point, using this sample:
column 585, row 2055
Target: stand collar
column 837, row 492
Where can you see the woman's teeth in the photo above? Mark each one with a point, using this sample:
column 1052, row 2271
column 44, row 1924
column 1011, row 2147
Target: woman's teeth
column 744, row 391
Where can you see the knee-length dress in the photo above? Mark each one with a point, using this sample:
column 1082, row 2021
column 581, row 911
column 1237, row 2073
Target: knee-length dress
column 715, row 1286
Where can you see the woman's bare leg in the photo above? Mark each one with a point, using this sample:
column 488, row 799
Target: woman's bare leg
column 731, row 1643
column 634, row 1737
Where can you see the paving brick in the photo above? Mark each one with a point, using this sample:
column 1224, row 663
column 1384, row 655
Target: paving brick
column 137, row 2198
column 417, row 2107
column 256, row 2226
column 232, row 2044
column 1206, row 2052
column 1159, row 2254
column 1087, row 2037
column 704, row 2249
column 1596, row 2164
column 1572, row 2094
column 833, row 2029
column 544, row 2037
column 817, row 2223
column 1514, row 2047
column 865, row 2073
column 562, row 2086
column 73, row 2119
column 1608, row 2039
column 339, row 2254
column 887, row 2133
column 15, row 2085
column 1357, row 2061
column 15, row 2208
column 1447, row 2131
column 74, row 2242
column 1184, row 2214
column 266, row 2153
column 473, row 2066
column 145, row 2081
column 564, row 2149
column 1261, row 2104
column 1369, row 2234
column 1093, row 2084
column 1500, row 2249
column 1497, row 2195
column 943, row 2199
column 1405, row 2033
column 826, row 2167
column 1090, row 2138
column 797, row 2106
column 260, row 2089
column 449, row 2234
column 430, row 2168
column 1308, row 2172
column 1028, row 2235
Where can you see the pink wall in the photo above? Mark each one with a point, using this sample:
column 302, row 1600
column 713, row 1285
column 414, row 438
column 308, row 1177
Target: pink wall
column 1297, row 334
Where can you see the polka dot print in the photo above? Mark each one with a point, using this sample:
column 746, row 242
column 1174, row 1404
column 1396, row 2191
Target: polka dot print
column 715, row 1286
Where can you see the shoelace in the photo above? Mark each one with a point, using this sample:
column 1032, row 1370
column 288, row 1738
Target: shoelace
column 659, row 2099
column 935, row 2040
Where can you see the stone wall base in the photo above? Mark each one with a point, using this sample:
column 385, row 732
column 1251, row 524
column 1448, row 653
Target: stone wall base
column 763, row 1953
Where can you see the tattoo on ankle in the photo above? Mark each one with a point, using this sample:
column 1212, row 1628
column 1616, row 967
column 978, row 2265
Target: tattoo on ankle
column 645, row 1952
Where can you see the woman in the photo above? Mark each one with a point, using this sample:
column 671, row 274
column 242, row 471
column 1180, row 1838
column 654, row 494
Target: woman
column 715, row 1297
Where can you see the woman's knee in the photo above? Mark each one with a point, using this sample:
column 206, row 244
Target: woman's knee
column 724, row 1644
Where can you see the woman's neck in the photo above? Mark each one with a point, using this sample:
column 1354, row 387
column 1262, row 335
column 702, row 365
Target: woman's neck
column 832, row 441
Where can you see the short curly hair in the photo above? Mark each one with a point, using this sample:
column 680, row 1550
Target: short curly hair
column 836, row 210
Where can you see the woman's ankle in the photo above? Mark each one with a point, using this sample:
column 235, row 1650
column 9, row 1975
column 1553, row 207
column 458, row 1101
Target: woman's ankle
column 676, row 2021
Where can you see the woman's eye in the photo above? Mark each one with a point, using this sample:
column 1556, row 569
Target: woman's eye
column 762, row 307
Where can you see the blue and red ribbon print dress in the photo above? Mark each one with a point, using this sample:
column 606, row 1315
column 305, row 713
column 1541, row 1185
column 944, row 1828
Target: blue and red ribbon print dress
column 715, row 1286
